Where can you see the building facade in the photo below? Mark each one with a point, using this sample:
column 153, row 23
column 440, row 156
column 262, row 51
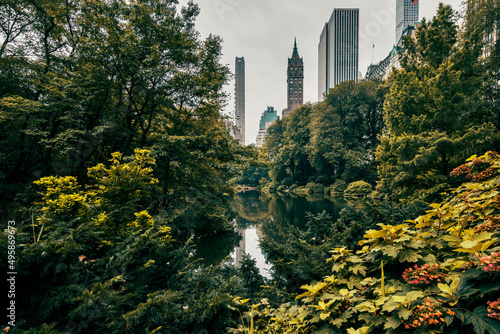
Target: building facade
column 295, row 82
column 239, row 98
column 406, row 15
column 268, row 117
column 338, row 50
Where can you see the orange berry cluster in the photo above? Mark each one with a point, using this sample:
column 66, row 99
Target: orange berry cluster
column 491, row 262
column 423, row 275
column 469, row 169
column 492, row 224
column 429, row 313
column 494, row 309
column 485, row 174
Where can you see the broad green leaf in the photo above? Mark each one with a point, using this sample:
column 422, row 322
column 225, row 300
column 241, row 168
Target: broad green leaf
column 481, row 322
column 469, row 244
column 392, row 322
column 324, row 316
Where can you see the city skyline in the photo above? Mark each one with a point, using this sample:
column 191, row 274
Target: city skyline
column 263, row 31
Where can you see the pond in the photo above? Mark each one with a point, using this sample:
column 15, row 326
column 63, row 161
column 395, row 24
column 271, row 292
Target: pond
column 256, row 214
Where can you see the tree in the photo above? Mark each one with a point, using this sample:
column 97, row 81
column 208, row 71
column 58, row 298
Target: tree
column 344, row 130
column 97, row 261
column 434, row 112
column 82, row 79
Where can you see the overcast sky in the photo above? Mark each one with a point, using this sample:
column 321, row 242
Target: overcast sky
column 263, row 32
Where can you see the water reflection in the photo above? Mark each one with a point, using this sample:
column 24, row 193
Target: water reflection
column 259, row 214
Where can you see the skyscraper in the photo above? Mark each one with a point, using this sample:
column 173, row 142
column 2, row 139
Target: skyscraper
column 338, row 50
column 295, row 81
column 268, row 117
column 239, row 98
column 406, row 15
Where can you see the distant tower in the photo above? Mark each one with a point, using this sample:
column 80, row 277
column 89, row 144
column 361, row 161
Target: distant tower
column 268, row 117
column 338, row 50
column 239, row 98
column 295, row 82
column 406, row 15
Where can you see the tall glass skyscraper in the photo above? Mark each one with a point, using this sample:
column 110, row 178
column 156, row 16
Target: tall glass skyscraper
column 338, row 50
column 406, row 15
column 239, row 97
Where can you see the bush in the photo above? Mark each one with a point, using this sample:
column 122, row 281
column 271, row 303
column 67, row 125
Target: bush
column 315, row 188
column 271, row 186
column 301, row 191
column 358, row 188
column 338, row 187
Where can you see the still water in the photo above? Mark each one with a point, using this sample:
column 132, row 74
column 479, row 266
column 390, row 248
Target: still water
column 256, row 214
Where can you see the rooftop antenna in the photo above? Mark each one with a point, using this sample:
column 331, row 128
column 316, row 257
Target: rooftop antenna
column 373, row 51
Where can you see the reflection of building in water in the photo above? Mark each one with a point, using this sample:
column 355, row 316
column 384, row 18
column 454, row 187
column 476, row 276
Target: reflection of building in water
column 241, row 248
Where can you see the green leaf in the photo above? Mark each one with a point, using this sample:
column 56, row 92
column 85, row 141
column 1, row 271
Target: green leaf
column 324, row 316
column 392, row 250
column 409, row 255
column 404, row 313
column 481, row 322
column 469, row 244
column 392, row 322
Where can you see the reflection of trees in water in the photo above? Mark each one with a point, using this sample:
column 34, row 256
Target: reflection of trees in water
column 216, row 247
column 250, row 208
column 274, row 229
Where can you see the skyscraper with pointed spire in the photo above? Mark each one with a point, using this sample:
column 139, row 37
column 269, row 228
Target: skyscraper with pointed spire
column 295, row 82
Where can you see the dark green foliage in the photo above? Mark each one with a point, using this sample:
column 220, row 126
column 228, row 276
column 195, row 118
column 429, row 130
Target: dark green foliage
column 332, row 140
column 252, row 279
column 357, row 217
column 438, row 111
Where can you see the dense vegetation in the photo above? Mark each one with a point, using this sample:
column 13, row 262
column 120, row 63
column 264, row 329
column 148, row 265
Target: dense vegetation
column 115, row 164
column 406, row 134
column 437, row 273
column 117, row 167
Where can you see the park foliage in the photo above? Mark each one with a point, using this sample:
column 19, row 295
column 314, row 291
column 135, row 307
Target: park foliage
column 117, row 165
column 437, row 273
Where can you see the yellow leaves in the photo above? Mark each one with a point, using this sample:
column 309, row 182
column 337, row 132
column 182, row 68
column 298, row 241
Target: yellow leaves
column 362, row 330
column 448, row 291
column 149, row 263
column 166, row 231
column 470, row 242
column 110, row 204
column 143, row 220
column 101, row 219
column 311, row 289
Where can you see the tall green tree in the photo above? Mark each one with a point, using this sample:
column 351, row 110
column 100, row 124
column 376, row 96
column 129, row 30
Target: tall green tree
column 435, row 111
column 286, row 144
column 82, row 79
column 344, row 130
